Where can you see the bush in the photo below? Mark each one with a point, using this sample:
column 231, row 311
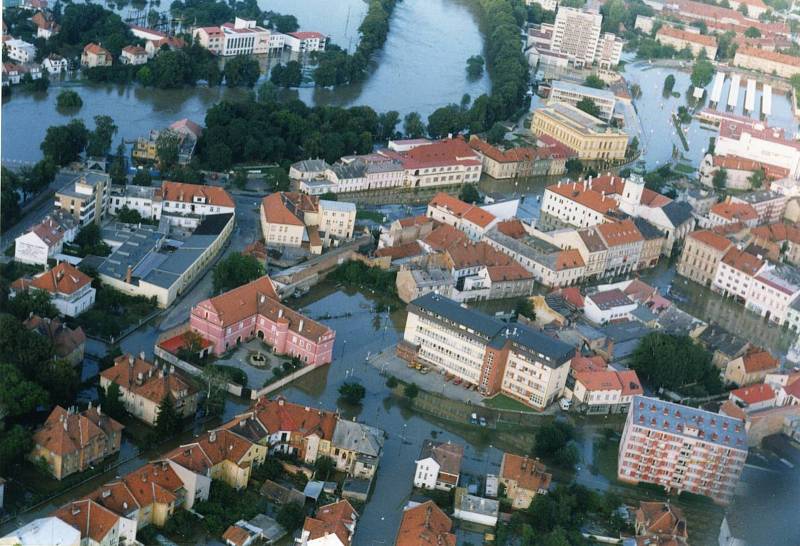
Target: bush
column 290, row 517
column 360, row 274
column 392, row 382
column 68, row 99
column 411, row 391
column 352, row 393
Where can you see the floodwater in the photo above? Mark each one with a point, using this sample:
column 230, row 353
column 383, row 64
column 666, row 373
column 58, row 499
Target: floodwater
column 405, row 76
column 658, row 135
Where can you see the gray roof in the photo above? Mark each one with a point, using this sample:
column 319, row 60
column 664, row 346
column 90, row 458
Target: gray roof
column 759, row 196
column 358, row 437
column 648, row 230
column 340, row 206
column 532, row 248
column 643, row 314
column 135, row 243
column 479, row 505
column 716, row 338
column 593, row 241
column 431, row 277
column 602, row 94
column 447, row 454
column 676, row 418
column 311, row 165
column 494, row 331
column 678, row 212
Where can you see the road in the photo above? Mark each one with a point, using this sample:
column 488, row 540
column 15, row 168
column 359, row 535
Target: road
column 35, row 215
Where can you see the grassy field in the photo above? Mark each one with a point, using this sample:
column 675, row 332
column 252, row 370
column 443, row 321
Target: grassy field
column 503, row 402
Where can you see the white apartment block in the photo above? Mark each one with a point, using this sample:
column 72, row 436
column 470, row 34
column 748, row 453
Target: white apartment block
column 20, row 50
column 305, row 42
column 242, row 37
column 758, row 142
column 609, row 50
column 736, row 273
column 682, row 449
column 572, row 93
column 576, row 33
column 773, row 291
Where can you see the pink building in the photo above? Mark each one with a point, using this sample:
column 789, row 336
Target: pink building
column 254, row 310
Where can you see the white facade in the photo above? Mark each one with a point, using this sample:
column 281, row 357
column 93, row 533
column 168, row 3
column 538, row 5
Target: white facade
column 732, row 281
column 576, row 34
column 242, row 37
column 48, row 530
column 571, row 93
column 772, row 292
column 198, row 486
column 55, row 64
column 759, row 145
column 305, row 42
column 72, row 305
column 601, row 314
column 20, row 50
column 426, row 473
column 31, row 249
column 533, row 381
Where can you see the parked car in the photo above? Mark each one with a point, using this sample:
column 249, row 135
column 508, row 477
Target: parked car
column 482, row 421
column 473, row 419
column 565, row 404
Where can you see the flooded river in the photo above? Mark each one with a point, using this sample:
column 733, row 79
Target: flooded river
column 405, row 76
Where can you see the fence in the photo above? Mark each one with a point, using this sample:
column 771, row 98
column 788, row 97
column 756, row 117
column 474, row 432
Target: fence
column 191, row 369
column 282, row 382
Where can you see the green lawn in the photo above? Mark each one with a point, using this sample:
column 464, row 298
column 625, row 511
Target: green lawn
column 375, row 216
column 503, row 402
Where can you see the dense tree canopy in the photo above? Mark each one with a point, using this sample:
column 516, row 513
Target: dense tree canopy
column 241, row 71
column 673, row 362
column 702, row 73
column 236, row 270
column 65, row 143
column 589, row 106
column 99, row 143
column 67, row 99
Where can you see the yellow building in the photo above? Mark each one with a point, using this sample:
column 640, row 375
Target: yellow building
column 769, row 62
column 590, row 137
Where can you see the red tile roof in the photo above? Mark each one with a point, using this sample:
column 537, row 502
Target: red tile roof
column 332, row 519
column 619, row 233
column 743, row 212
column 513, row 228
column 425, row 525
column 530, row 474
column 241, row 302
column 773, row 56
column 711, row 239
column 695, row 37
column 588, row 364
column 630, row 383
column 442, row 153
column 62, row 279
column 66, row 433
column 91, row 519
column 759, row 360
column 398, row 252
column 742, row 261
column 444, row 236
column 753, row 394
column 511, row 272
column 96, row 49
column 154, row 483
column 178, row 191
column 777, row 233
column 584, row 195
column 605, row 380
column 569, row 259
column 155, row 384
column 414, row 221
column 288, row 208
column 736, row 163
column 279, row 415
column 307, row 35
column 236, row 535
column 512, row 155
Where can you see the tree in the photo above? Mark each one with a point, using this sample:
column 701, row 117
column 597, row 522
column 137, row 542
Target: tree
column 128, row 216
column 236, row 270
column 90, row 241
column 594, row 81
column 288, row 75
column 18, row 396
column 111, row 401
column 496, row 134
column 702, row 73
column 669, row 83
column 633, row 147
column 413, row 127
column 524, row 307
column 142, row 178
column 100, row 139
column 388, row 122
column 65, row 143
column 475, row 66
column 118, row 169
column 469, row 194
column 752, row 32
column 446, row 120
column 411, row 391
column 168, row 422
column 588, row 105
column 757, row 178
column 720, row 179
column 39, row 176
column 672, row 362
column 352, row 393
column 15, row 445
column 32, row 302
column 241, row 71
column 552, row 437
column 574, row 166
column 290, row 516
column 636, row 91
column 68, row 99
column 742, row 9
column 323, row 467
column 168, row 145
column 392, row 382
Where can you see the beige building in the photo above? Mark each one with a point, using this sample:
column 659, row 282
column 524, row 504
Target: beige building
column 769, row 62
column 95, row 55
column 751, row 368
column 413, row 283
column 71, row 442
column 85, row 198
column 701, row 255
column 590, row 137
column 681, row 39
column 300, row 220
column 144, row 386
column 523, row 479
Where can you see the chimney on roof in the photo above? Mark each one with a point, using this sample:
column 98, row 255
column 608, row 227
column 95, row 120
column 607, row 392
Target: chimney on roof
column 300, row 327
column 212, row 436
column 130, row 359
column 65, row 423
column 139, row 378
column 99, row 412
column 280, row 312
column 141, row 355
column 128, row 274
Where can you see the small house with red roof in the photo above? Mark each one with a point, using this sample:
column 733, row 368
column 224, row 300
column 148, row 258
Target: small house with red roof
column 305, row 41
column 471, row 219
column 604, row 391
column 46, row 239
column 96, row 523
column 71, row 441
column 524, row 479
column 95, row 55
column 144, row 386
column 69, row 288
column 751, row 368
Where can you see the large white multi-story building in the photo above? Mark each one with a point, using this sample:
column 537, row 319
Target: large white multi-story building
column 19, row 50
column 755, row 141
column 577, row 34
column 497, row 357
column 242, row 37
column 682, row 449
column 305, row 42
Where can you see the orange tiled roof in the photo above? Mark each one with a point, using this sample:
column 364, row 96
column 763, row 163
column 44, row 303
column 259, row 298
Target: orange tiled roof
column 742, row 261
column 91, row 519
column 513, row 228
column 116, row 497
column 672, row 32
column 753, row 394
column 62, row 279
column 588, row 363
column 777, row 233
column 67, row 432
column 279, row 415
column 154, row 483
column 235, row 535
column 630, row 382
column 398, row 252
column 759, row 360
column 288, row 208
column 512, row 155
column 584, row 195
column 619, row 233
column 773, row 56
column 425, row 525
column 569, row 259
column 241, row 302
column 711, row 239
column 530, row 474
column 476, row 254
column 332, row 519
column 736, row 163
column 223, row 445
column 511, row 272
column 414, row 221
column 444, row 236
column 96, row 49
column 154, row 385
column 605, row 380
column 178, row 191
column 660, row 518
column 460, row 209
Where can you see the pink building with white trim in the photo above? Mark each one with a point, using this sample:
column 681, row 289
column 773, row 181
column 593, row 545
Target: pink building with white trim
column 253, row 310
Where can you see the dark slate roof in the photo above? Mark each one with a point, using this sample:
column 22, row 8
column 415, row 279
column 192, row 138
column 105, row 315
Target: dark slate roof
column 213, row 224
column 648, row 230
column 496, row 332
column 678, row 212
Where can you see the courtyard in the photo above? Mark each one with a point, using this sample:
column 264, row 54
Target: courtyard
column 257, row 361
